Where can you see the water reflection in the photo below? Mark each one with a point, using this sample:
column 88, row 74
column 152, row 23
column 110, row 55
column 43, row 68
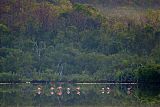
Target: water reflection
column 105, row 90
column 59, row 90
column 79, row 95
column 68, row 90
column 39, row 90
column 129, row 90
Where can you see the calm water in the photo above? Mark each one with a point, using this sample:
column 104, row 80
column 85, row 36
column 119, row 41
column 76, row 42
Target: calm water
column 79, row 95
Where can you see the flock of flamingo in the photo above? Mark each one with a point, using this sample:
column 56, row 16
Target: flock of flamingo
column 59, row 90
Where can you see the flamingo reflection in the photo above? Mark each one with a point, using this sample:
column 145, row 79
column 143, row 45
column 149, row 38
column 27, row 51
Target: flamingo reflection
column 78, row 92
column 59, row 93
column 51, row 92
column 39, row 92
column 107, row 90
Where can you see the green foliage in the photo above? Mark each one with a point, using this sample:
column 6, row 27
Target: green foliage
column 55, row 39
column 3, row 28
column 87, row 9
column 149, row 73
column 8, row 77
column 80, row 78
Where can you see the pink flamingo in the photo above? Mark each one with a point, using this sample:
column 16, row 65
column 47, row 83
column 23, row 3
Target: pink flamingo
column 39, row 88
column 59, row 88
column 78, row 88
column 52, row 88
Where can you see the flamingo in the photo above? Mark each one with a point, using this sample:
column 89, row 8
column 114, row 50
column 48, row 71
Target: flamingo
column 59, row 88
column 108, row 88
column 129, row 88
column 39, row 88
column 78, row 88
column 68, row 88
column 52, row 88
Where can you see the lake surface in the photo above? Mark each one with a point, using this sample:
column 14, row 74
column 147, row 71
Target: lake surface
column 79, row 95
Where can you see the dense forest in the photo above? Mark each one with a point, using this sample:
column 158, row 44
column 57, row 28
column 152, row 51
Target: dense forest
column 80, row 40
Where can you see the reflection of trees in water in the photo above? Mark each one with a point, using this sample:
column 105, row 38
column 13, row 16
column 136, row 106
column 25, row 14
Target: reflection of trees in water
column 113, row 95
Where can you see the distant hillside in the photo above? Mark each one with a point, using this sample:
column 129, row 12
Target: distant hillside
column 117, row 3
column 63, row 40
column 126, row 8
